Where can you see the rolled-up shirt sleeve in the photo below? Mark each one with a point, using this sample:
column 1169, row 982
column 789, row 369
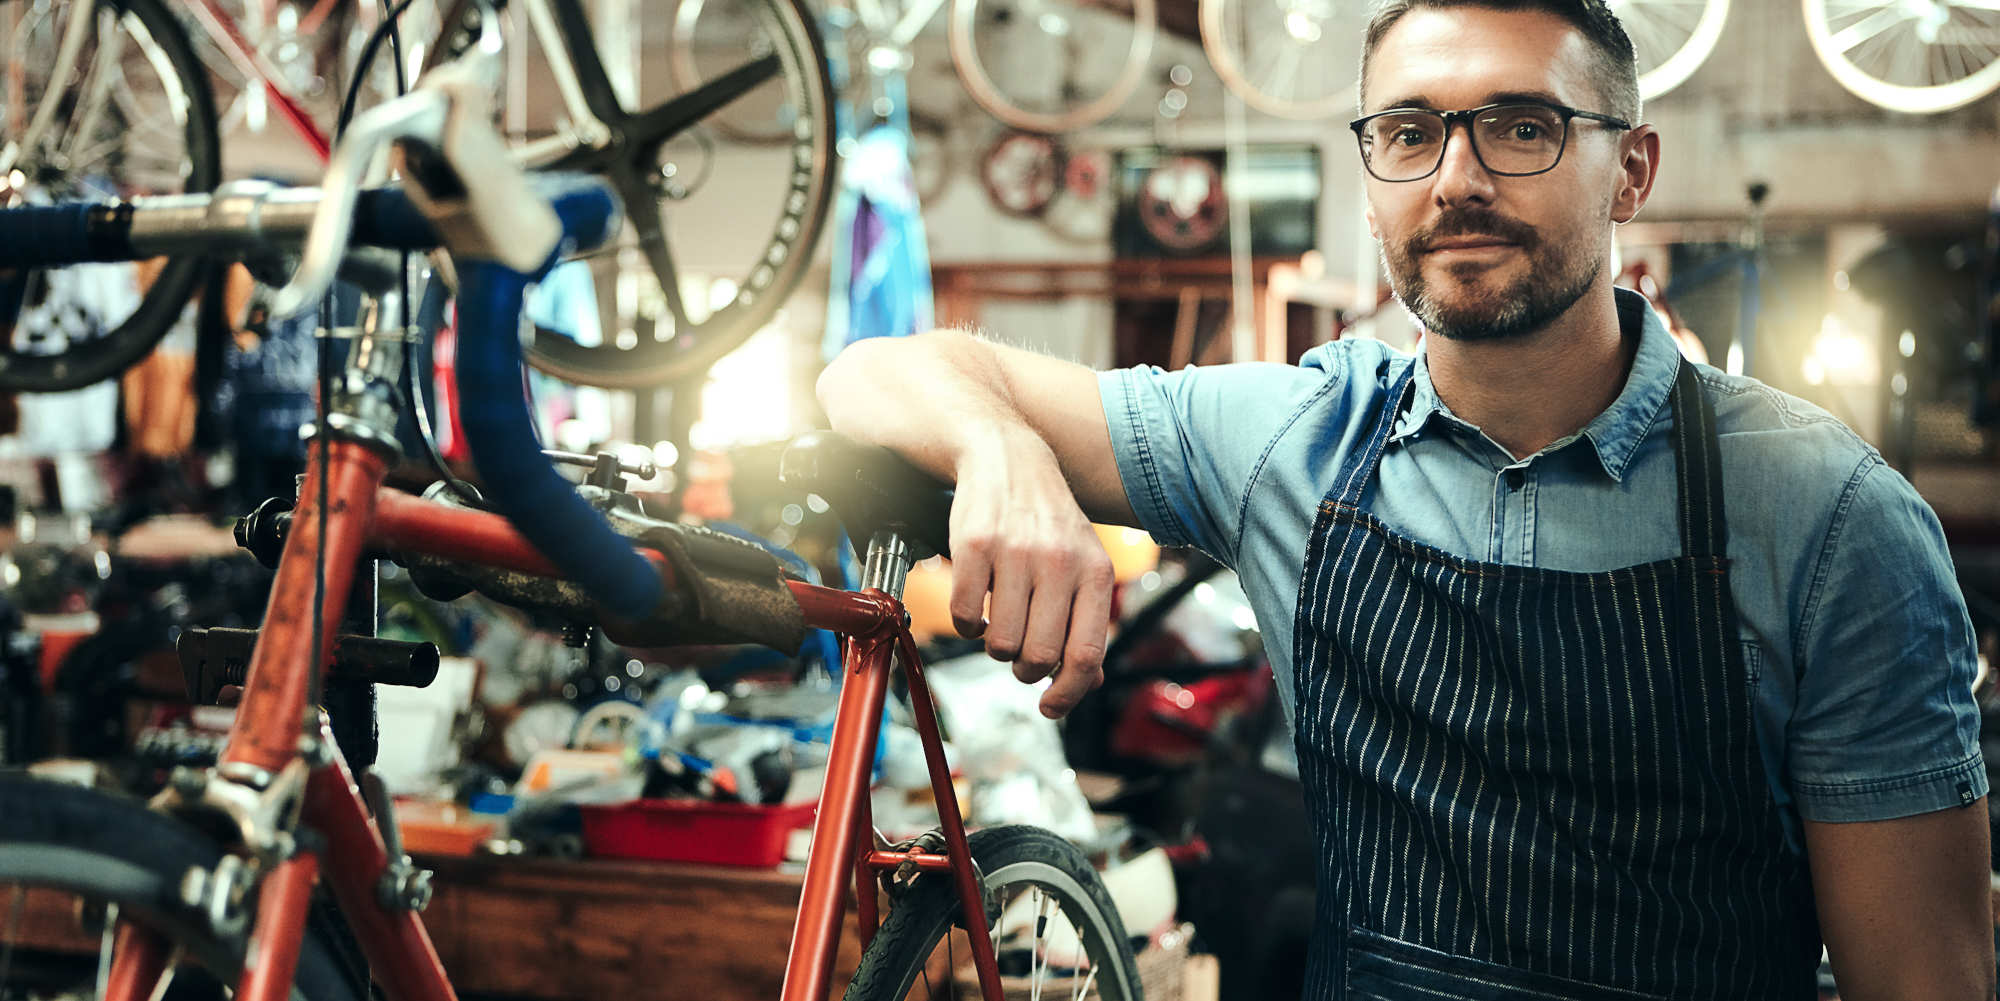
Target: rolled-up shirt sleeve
column 1188, row 442
column 1885, row 725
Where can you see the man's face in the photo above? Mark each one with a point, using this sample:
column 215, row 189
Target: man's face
column 1475, row 255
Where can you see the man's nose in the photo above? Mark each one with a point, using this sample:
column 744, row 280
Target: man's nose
column 1460, row 177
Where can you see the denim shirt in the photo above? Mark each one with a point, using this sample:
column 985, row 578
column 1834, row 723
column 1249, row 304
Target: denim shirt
column 1854, row 632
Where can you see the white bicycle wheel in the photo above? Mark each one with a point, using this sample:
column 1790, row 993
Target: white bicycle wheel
column 1295, row 59
column 1671, row 38
column 1913, row 56
column 1024, row 37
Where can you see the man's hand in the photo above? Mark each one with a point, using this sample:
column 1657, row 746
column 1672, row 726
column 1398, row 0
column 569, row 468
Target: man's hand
column 1018, row 535
column 1024, row 438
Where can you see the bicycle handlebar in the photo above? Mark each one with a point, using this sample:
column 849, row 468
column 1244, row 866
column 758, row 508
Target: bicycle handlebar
column 240, row 217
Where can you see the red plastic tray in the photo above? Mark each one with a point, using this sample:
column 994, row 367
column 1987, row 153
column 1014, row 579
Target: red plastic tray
column 682, row 830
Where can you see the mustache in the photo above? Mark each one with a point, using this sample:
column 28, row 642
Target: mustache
column 1474, row 222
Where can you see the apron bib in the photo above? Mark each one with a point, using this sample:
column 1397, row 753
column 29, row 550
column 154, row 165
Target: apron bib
column 1531, row 783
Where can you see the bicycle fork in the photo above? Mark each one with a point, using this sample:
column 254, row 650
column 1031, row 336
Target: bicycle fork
column 843, row 835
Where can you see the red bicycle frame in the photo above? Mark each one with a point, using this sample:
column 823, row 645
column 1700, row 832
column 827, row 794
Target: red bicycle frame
column 265, row 745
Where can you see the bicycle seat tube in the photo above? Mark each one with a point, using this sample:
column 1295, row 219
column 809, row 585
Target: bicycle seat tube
column 364, row 403
column 888, row 564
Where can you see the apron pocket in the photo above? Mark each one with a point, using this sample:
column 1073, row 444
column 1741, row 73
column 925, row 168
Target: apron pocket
column 1380, row 968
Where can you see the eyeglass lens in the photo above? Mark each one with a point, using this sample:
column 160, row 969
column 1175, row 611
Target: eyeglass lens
column 1510, row 139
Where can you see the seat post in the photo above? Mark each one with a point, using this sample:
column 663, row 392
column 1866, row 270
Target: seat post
column 888, row 564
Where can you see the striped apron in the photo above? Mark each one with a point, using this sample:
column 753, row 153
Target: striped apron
column 1532, row 783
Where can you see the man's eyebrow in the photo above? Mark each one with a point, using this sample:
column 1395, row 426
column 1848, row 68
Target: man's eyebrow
column 1502, row 97
column 1517, row 96
column 1419, row 103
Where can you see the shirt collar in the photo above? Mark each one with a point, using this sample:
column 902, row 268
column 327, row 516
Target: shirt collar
column 1615, row 434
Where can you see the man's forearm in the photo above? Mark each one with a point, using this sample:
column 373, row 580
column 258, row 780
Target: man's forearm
column 932, row 397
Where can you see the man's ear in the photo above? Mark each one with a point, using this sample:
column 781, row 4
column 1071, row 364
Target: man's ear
column 1373, row 229
column 1639, row 167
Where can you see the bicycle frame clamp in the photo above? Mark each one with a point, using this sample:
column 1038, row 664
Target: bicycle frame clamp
column 258, row 810
column 219, row 894
column 606, row 469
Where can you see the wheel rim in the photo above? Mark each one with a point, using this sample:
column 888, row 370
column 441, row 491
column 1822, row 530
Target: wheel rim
column 1308, row 53
column 972, row 73
column 1936, row 55
column 1070, row 958
column 1672, row 38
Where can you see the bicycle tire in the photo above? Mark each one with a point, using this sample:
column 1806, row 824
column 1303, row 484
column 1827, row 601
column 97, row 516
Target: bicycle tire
column 108, row 848
column 978, row 83
column 85, row 362
column 1014, row 856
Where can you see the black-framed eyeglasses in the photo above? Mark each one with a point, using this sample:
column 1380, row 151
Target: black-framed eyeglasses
column 1514, row 139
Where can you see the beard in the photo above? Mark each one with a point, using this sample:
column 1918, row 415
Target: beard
column 1557, row 277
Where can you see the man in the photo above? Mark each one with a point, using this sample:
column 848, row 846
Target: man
column 1612, row 676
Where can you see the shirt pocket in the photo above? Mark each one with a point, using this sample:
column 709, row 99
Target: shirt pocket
column 1753, row 662
column 1380, row 968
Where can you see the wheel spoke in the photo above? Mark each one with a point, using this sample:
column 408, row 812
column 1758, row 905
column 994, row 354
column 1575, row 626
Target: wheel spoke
column 1866, row 28
column 648, row 130
column 74, row 34
column 104, row 950
column 642, row 209
column 1083, row 986
column 1038, row 961
column 97, row 86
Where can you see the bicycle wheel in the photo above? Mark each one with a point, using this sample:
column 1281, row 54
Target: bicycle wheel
column 96, row 99
column 1913, row 56
column 75, row 862
column 1021, row 39
column 1055, row 930
column 699, row 268
column 1671, row 38
column 1290, row 58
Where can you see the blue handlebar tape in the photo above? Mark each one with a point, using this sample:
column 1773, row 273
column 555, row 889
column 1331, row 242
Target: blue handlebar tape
column 385, row 217
column 522, row 483
column 53, row 235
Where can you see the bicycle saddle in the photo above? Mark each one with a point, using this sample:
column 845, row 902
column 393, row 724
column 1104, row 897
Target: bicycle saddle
column 871, row 489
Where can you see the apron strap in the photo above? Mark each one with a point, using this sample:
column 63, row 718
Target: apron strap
column 1698, row 456
column 1361, row 462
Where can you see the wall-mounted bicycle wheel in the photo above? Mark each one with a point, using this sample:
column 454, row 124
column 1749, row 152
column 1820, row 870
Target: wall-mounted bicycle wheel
column 1671, row 38
column 97, row 100
column 1019, row 41
column 716, row 235
column 1913, row 56
column 1290, row 58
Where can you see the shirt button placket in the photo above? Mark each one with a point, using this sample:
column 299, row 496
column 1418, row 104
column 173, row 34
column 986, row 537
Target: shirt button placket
column 1516, row 480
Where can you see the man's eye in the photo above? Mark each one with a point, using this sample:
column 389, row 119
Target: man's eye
column 1409, row 137
column 1528, row 131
